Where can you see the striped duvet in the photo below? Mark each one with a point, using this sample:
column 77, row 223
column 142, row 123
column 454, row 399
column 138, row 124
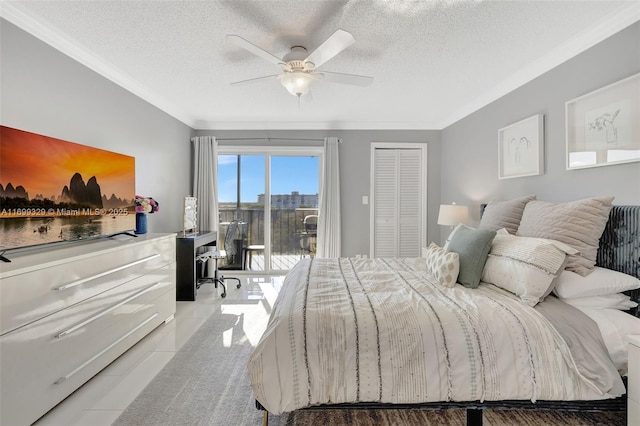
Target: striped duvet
column 383, row 330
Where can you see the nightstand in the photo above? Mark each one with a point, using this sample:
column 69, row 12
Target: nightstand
column 633, row 380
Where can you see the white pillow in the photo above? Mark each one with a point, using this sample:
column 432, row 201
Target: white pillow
column 442, row 264
column 524, row 266
column 600, row 282
column 608, row 301
column 614, row 325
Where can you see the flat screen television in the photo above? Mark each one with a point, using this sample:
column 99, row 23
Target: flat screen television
column 53, row 190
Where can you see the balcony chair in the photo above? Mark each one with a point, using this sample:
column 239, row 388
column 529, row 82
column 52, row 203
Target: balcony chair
column 308, row 238
column 247, row 254
column 228, row 253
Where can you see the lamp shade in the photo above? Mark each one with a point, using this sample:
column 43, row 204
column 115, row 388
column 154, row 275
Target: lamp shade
column 453, row 214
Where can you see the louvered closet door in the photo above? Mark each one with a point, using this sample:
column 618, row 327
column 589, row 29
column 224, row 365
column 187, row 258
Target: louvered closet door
column 398, row 192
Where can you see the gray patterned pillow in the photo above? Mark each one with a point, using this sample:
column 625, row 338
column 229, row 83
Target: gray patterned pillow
column 578, row 224
column 442, row 264
column 504, row 214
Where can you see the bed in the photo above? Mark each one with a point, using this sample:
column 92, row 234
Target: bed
column 387, row 332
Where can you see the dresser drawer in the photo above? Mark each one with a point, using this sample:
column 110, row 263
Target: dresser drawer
column 29, row 296
column 78, row 342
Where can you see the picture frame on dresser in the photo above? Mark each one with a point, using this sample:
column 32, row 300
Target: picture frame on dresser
column 521, row 148
column 190, row 219
column 602, row 128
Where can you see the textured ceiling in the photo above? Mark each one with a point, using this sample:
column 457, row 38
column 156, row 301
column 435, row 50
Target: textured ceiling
column 433, row 61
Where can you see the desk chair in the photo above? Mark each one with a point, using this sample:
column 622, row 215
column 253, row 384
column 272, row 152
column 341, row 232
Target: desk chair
column 228, row 253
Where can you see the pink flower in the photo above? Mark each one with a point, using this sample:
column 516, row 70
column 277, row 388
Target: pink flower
column 146, row 205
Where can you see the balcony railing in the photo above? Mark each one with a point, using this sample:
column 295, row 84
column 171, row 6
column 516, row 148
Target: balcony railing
column 286, row 228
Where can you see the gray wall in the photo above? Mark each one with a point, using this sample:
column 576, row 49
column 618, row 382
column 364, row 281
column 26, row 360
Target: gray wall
column 470, row 146
column 355, row 153
column 44, row 91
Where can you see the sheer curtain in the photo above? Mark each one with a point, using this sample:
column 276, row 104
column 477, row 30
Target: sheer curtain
column 205, row 178
column 329, row 233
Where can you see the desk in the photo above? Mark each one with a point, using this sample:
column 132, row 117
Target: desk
column 186, row 275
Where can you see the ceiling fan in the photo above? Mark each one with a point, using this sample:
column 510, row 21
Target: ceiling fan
column 300, row 69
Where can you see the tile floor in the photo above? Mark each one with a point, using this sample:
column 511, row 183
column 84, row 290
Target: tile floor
column 102, row 399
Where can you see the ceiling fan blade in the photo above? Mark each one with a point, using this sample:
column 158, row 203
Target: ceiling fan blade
column 250, row 47
column 353, row 79
column 335, row 44
column 254, row 80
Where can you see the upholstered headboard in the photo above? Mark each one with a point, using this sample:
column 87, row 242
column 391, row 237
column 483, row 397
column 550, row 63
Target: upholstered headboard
column 620, row 244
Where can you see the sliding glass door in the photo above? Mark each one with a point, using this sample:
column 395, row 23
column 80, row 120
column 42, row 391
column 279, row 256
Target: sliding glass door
column 270, row 191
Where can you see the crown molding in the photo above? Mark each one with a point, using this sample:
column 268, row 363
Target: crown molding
column 328, row 125
column 44, row 31
column 616, row 21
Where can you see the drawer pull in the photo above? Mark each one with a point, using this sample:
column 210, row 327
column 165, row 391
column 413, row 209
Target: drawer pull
column 93, row 358
column 106, row 311
column 102, row 274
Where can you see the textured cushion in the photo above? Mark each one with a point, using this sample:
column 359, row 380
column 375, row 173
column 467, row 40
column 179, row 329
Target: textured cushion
column 600, row 282
column 578, row 224
column 442, row 264
column 504, row 214
column 526, row 267
column 472, row 245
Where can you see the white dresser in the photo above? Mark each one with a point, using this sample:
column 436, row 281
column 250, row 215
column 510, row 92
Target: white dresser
column 633, row 380
column 68, row 310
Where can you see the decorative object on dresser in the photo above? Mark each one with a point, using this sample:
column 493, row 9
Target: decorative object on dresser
column 602, row 127
column 521, row 148
column 190, row 218
column 144, row 206
column 68, row 313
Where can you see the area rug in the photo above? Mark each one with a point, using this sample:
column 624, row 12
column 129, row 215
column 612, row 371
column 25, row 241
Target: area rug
column 205, row 383
column 453, row 417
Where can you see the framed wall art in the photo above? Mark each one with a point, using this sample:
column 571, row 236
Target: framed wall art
column 602, row 127
column 521, row 148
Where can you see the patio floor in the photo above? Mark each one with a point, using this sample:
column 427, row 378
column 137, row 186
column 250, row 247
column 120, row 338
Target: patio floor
column 279, row 262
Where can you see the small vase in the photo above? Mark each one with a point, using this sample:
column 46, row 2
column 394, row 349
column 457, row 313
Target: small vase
column 141, row 223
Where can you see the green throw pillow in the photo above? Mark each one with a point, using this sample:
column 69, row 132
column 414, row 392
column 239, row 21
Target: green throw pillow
column 472, row 246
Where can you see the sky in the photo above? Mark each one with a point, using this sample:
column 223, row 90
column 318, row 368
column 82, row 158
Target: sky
column 289, row 174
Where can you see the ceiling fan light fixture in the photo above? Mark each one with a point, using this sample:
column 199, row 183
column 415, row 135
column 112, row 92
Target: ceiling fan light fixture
column 297, row 83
